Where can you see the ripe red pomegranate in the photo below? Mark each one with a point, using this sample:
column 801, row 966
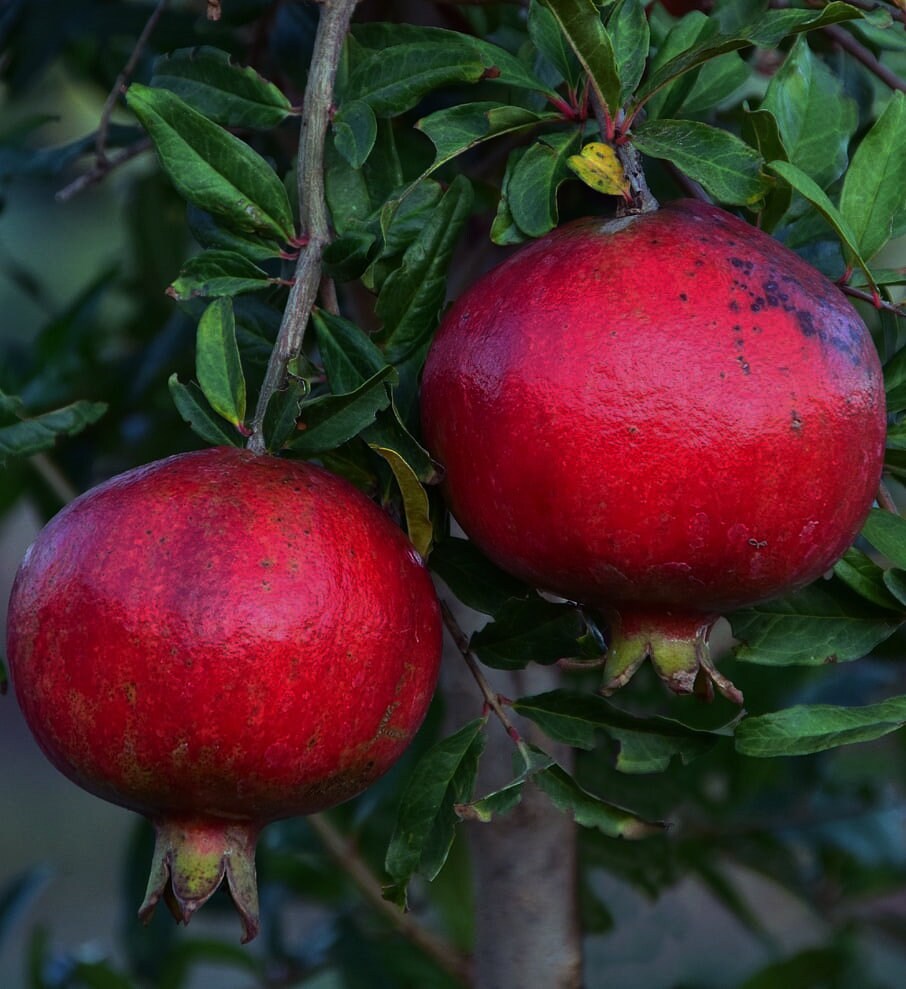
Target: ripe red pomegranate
column 216, row 641
column 664, row 417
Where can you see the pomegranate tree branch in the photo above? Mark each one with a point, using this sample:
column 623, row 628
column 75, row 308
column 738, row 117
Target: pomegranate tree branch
column 102, row 169
column 843, row 39
column 877, row 302
column 491, row 697
column 344, row 853
column 100, row 143
column 314, row 219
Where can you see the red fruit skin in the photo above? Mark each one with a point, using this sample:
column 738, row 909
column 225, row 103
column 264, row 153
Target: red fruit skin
column 672, row 410
column 223, row 636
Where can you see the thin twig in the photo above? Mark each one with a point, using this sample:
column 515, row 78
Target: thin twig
column 885, row 499
column 491, row 697
column 876, row 301
column 864, row 55
column 100, row 142
column 315, row 224
column 102, row 169
column 347, row 857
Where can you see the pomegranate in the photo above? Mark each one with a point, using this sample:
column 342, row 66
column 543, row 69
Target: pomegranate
column 662, row 417
column 216, row 641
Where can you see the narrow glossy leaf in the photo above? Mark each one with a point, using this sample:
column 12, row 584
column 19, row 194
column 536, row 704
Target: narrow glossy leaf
column 412, row 296
column 805, row 729
column 815, row 116
column 415, row 500
column 228, row 94
column 887, row 533
column 426, row 819
column 504, row 229
column 866, row 578
column 217, row 363
column 347, row 257
column 895, row 582
column 49, row 162
column 504, row 799
column 647, row 745
column 548, row 39
column 210, row 234
column 526, row 631
column 727, row 167
column 763, row 132
column 348, row 354
column 193, row 408
column 820, row 624
column 682, row 37
column 580, row 22
column 217, row 273
column 328, row 422
column 531, row 187
column 472, row 577
column 355, row 131
column 895, row 382
column 874, row 189
column 809, row 189
column 283, row 413
column 407, row 43
column 22, row 435
column 630, row 35
column 590, row 811
column 765, row 30
column 458, row 128
column 598, row 166
column 715, row 84
column 212, row 168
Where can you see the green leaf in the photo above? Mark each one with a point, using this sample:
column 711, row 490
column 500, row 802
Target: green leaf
column 412, row 296
column 548, row 39
column 195, row 411
column 22, row 435
column 528, row 761
column 764, row 133
column 430, row 52
column 355, row 131
column 212, row 168
column 805, row 729
column 715, row 84
column 822, row 623
column 631, row 36
column 590, row 811
column 216, row 273
column 283, row 413
column 217, row 363
column 458, row 128
column 887, row 533
column 225, row 93
column 532, row 184
column 210, row 234
column 526, row 631
column 765, row 30
column 647, row 745
column 866, row 578
column 505, row 231
column 727, row 167
column 332, row 420
column 17, row 896
column 683, row 36
column 809, row 189
column 815, row 116
column 874, row 189
column 426, row 818
column 895, row 582
column 580, row 22
column 472, row 577
column 415, row 499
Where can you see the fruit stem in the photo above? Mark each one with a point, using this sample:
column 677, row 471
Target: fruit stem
column 191, row 858
column 333, row 26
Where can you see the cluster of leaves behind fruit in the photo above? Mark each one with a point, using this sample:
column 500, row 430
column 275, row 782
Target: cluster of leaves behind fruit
column 398, row 209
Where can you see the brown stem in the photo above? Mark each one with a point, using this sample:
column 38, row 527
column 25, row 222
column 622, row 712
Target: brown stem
column 491, row 697
column 315, row 225
column 348, row 859
column 102, row 169
column 849, row 44
column 885, row 499
column 876, row 301
column 100, row 143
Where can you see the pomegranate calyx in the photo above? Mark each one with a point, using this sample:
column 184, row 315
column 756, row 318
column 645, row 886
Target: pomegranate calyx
column 676, row 644
column 191, row 859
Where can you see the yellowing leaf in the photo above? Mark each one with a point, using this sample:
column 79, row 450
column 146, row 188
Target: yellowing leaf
column 597, row 166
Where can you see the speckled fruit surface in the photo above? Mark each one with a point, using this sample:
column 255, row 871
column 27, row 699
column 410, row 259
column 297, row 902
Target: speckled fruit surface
column 218, row 640
column 667, row 415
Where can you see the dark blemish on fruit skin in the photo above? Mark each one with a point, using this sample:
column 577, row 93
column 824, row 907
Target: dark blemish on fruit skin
column 758, row 304
column 734, row 305
column 744, row 364
column 743, row 264
column 796, row 422
column 683, row 297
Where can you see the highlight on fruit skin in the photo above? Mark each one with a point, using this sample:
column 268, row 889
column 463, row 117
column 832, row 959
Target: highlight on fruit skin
column 663, row 417
column 216, row 641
